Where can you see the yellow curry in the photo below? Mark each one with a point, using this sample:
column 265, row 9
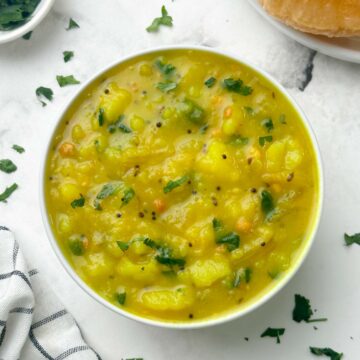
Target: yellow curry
column 181, row 185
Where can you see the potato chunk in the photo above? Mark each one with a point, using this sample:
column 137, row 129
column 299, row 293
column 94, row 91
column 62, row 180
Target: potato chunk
column 168, row 299
column 206, row 272
column 139, row 272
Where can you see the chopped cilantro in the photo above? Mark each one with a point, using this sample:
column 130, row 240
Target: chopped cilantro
column 194, row 112
column 303, row 311
column 166, row 69
column 66, row 80
column 27, row 36
column 68, row 55
column 173, row 184
column 80, row 202
column 7, row 192
column 276, row 333
column 166, row 86
column 249, row 110
column 210, row 82
column 122, row 245
column 72, row 24
column 264, row 139
column 333, row 355
column 76, row 245
column 232, row 241
column 18, row 148
column 237, row 86
column 239, row 140
column 268, row 124
column 129, row 193
column 165, row 20
column 217, row 225
column 108, row 190
column 267, row 202
column 352, row 239
column 44, row 92
column 101, row 116
column 7, row 166
column 123, row 128
column 150, row 243
column 121, row 298
column 248, row 273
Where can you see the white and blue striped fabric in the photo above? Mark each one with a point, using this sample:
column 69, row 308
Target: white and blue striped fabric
column 33, row 323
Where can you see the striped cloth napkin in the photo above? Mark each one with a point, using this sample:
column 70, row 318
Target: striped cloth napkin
column 33, row 323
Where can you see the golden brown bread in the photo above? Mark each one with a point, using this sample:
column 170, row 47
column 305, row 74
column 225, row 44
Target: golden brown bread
column 324, row 17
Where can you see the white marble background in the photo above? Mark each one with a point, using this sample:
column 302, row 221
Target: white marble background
column 112, row 28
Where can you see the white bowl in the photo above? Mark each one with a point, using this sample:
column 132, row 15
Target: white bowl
column 226, row 316
column 40, row 12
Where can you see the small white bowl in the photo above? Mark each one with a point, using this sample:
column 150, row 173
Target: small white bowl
column 226, row 316
column 40, row 12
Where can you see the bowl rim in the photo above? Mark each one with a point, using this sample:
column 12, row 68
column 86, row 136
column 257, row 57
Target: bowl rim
column 39, row 14
column 227, row 316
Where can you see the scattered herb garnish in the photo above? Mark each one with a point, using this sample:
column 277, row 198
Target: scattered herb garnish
column 108, row 190
column 166, row 69
column 16, row 13
column 44, row 92
column 165, row 20
column 268, row 124
column 118, row 124
column 72, row 24
column 210, row 82
column 217, row 225
column 129, row 193
column 248, row 273
column 238, row 140
column 232, row 241
column 166, row 86
column 66, row 80
column 282, row 119
column 303, row 311
column 352, row 239
column 27, row 36
column 193, row 112
column 249, row 110
column 123, row 245
column 173, row 184
column 264, row 139
column 267, row 203
column 241, row 275
column 18, row 148
column 237, row 86
column 68, row 55
column 101, row 117
column 7, row 192
column 204, row 128
column 123, row 128
column 7, row 166
column 76, row 245
column 80, row 202
column 275, row 333
column 333, row 355
column 121, row 298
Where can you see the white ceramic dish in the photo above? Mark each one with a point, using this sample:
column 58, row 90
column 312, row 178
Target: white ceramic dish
column 347, row 49
column 201, row 323
column 38, row 15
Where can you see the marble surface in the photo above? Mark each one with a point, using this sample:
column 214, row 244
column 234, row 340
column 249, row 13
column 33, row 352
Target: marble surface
column 327, row 89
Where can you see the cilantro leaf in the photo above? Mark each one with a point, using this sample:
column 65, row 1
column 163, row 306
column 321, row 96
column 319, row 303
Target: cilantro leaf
column 194, row 112
column 237, row 86
column 210, row 82
column 165, row 20
column 352, row 239
column 44, row 92
column 7, row 166
column 166, row 86
column 268, row 124
column 77, row 245
column 238, row 140
column 333, row 355
column 303, row 311
column 272, row 332
column 72, row 24
column 18, row 148
column 248, row 273
column 80, row 202
column 267, row 202
column 7, row 192
column 101, row 117
column 173, row 184
column 123, row 128
column 264, row 139
column 166, row 69
column 68, row 55
column 27, row 36
column 108, row 190
column 122, row 245
column 232, row 240
column 217, row 225
column 129, row 193
column 66, row 80
column 121, row 298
